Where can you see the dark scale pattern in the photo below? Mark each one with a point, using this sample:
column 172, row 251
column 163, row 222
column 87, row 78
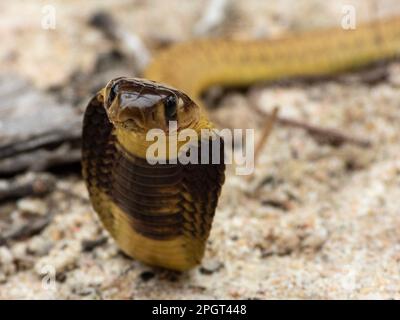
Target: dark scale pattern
column 149, row 195
column 153, row 195
column 203, row 183
column 98, row 151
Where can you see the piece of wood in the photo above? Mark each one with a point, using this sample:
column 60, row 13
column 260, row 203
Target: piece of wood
column 330, row 136
column 26, row 230
column 36, row 131
column 32, row 185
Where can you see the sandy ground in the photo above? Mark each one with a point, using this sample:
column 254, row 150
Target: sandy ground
column 316, row 221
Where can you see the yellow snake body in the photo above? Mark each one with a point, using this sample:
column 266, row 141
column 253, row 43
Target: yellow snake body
column 196, row 65
column 162, row 214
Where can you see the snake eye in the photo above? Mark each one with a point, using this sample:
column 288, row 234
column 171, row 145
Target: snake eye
column 112, row 94
column 170, row 108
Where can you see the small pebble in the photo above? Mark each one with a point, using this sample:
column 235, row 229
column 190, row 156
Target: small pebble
column 211, row 266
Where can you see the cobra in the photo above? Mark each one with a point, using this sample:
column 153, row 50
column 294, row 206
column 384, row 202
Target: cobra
column 162, row 214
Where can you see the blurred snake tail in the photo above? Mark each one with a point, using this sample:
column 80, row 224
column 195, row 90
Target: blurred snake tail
column 162, row 214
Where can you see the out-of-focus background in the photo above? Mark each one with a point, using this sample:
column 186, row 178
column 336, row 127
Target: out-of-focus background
column 319, row 219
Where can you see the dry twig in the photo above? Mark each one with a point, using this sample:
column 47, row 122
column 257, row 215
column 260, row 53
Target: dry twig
column 267, row 129
column 330, row 136
column 33, row 185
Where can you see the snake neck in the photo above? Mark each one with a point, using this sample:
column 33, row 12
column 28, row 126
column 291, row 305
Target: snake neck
column 157, row 144
column 194, row 66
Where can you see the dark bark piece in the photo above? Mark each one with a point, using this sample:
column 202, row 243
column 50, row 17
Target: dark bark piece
column 30, row 121
column 68, row 132
column 40, row 160
column 36, row 185
column 28, row 229
column 89, row 244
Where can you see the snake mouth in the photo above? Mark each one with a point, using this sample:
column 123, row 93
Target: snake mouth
column 129, row 117
column 130, row 125
column 137, row 119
